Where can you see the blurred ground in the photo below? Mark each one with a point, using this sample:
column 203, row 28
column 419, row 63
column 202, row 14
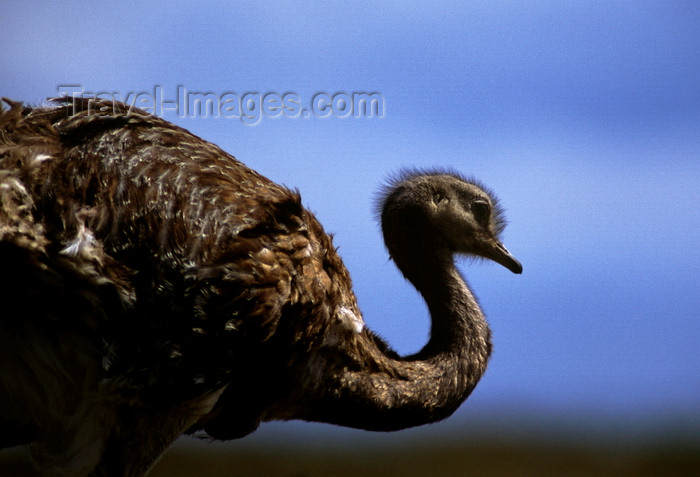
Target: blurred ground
column 192, row 458
column 488, row 459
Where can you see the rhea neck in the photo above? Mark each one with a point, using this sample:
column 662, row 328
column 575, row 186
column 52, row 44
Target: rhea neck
column 395, row 393
column 457, row 323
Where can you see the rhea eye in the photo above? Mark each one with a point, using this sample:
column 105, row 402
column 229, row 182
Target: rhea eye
column 481, row 210
column 439, row 198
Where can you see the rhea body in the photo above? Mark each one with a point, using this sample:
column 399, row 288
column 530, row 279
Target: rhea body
column 154, row 285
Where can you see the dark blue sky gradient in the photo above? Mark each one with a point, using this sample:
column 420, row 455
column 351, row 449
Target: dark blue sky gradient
column 584, row 117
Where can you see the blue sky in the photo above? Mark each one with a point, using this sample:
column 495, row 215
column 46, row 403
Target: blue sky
column 584, row 117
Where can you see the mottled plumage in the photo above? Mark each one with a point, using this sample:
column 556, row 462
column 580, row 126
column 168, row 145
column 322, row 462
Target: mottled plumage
column 152, row 284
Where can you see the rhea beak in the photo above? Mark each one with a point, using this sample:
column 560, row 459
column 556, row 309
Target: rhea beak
column 499, row 254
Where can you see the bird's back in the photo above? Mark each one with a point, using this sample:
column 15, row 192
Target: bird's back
column 194, row 265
